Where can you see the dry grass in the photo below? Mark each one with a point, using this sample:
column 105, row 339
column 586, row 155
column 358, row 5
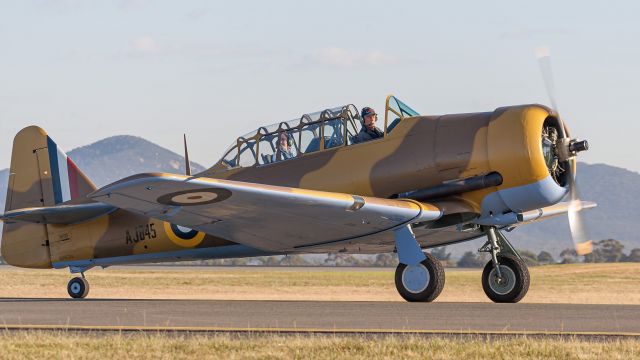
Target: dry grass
column 579, row 283
column 67, row 345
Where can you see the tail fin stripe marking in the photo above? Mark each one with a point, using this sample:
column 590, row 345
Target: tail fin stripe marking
column 64, row 175
column 55, row 173
column 73, row 178
column 61, row 173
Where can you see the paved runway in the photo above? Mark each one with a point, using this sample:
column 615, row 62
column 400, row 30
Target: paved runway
column 321, row 316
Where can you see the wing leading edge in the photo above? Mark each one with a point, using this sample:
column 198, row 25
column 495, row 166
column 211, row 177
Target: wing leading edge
column 266, row 217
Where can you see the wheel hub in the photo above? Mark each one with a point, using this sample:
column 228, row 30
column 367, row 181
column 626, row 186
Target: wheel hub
column 416, row 278
column 504, row 284
column 75, row 288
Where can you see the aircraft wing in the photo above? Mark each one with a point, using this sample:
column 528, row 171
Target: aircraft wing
column 266, row 217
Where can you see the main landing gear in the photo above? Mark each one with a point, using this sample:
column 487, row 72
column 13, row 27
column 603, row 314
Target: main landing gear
column 419, row 276
column 78, row 287
column 505, row 278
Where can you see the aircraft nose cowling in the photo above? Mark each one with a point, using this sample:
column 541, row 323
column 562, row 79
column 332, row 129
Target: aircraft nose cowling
column 519, row 149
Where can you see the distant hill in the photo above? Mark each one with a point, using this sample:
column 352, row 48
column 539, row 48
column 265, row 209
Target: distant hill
column 616, row 191
column 116, row 157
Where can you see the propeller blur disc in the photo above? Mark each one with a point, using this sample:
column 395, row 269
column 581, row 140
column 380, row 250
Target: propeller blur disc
column 544, row 61
column 581, row 242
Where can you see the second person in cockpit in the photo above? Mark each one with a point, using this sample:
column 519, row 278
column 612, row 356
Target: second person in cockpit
column 285, row 149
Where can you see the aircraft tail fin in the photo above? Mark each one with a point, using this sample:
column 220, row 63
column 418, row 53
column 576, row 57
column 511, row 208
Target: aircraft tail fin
column 41, row 175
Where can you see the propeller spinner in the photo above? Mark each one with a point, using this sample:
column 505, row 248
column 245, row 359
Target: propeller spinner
column 566, row 149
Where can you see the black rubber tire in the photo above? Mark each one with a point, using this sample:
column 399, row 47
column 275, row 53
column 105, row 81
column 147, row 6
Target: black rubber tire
column 433, row 289
column 78, row 288
column 520, row 287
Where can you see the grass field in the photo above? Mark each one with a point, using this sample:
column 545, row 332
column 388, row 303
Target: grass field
column 577, row 283
column 68, row 345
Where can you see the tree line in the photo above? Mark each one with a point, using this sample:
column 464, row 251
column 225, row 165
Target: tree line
column 604, row 251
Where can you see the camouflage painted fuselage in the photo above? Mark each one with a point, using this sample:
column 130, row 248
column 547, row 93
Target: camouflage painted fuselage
column 421, row 152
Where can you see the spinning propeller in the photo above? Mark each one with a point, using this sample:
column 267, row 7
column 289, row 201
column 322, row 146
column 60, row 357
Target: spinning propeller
column 567, row 149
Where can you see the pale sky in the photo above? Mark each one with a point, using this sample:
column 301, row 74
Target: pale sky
column 86, row 70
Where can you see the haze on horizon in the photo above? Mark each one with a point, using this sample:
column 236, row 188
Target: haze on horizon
column 215, row 70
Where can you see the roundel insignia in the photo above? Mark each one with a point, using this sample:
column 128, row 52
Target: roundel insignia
column 183, row 236
column 195, row 197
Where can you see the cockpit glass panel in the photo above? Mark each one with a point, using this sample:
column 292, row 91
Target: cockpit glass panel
column 405, row 109
column 231, row 158
column 247, row 153
column 325, row 114
column 310, row 138
column 333, row 133
column 396, row 111
column 353, row 128
column 267, row 149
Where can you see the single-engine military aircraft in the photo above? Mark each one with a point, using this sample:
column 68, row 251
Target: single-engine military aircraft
column 428, row 181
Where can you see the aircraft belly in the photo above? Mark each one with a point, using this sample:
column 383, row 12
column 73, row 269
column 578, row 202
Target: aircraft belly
column 384, row 242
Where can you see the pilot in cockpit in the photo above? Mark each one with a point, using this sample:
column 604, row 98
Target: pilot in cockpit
column 286, row 150
column 369, row 131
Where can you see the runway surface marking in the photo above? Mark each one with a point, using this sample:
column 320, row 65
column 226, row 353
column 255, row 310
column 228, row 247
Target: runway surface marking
column 320, row 317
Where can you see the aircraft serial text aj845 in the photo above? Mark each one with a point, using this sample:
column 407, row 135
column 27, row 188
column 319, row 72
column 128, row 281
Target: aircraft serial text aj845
column 310, row 186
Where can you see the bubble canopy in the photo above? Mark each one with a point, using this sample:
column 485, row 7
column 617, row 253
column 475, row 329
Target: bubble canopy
column 321, row 130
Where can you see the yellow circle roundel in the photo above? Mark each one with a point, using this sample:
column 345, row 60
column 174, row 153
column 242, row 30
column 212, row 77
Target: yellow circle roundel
column 183, row 236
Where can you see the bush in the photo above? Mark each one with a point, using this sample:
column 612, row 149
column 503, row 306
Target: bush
column 471, row 260
column 545, row 258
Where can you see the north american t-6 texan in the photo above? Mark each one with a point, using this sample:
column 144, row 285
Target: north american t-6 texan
column 312, row 185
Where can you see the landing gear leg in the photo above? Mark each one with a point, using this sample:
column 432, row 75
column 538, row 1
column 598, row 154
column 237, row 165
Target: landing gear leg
column 419, row 276
column 78, row 287
column 505, row 278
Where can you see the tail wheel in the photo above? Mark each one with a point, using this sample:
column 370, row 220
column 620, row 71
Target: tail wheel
column 78, row 288
column 512, row 286
column 422, row 282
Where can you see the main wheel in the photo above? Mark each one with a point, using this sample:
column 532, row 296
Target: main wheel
column 422, row 282
column 514, row 283
column 78, row 288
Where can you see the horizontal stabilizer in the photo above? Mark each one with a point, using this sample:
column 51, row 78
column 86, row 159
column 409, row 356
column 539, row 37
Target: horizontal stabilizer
column 61, row 215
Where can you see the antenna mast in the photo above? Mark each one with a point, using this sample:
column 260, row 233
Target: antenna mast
column 187, row 165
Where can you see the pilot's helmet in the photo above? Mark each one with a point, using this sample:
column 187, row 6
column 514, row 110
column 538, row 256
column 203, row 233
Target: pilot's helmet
column 366, row 111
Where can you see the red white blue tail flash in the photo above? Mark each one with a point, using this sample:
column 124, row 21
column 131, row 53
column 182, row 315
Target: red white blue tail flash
column 64, row 174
